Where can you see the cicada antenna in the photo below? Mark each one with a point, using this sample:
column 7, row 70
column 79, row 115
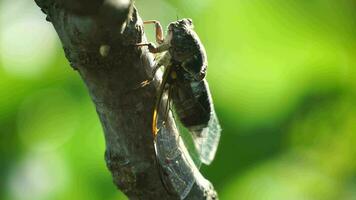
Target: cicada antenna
column 177, row 14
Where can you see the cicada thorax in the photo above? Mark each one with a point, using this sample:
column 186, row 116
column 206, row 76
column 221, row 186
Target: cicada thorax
column 186, row 48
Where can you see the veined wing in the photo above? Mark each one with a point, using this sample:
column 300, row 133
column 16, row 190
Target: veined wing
column 176, row 170
column 176, row 165
column 206, row 137
column 189, row 142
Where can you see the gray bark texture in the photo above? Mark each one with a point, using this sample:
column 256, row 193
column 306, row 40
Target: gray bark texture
column 99, row 37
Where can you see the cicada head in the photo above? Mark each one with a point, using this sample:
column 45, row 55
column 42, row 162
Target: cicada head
column 180, row 25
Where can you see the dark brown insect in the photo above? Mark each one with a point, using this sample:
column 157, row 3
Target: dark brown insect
column 185, row 64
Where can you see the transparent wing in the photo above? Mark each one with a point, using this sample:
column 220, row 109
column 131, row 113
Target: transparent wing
column 177, row 176
column 189, row 142
column 175, row 164
column 206, row 137
column 176, row 169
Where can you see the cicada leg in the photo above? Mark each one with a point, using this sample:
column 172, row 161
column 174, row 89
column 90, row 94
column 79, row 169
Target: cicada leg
column 154, row 71
column 162, row 46
column 168, row 104
column 163, row 61
column 159, row 30
column 153, row 49
column 159, row 99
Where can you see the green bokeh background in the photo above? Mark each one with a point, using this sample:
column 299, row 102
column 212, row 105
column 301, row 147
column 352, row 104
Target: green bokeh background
column 282, row 74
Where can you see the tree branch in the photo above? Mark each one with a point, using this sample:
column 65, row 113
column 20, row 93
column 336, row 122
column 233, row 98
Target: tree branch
column 98, row 38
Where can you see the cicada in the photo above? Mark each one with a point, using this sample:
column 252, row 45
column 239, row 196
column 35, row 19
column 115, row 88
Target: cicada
column 184, row 59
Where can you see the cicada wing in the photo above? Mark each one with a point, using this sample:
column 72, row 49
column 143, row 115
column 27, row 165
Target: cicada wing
column 206, row 136
column 195, row 110
column 188, row 140
column 206, row 140
column 176, row 175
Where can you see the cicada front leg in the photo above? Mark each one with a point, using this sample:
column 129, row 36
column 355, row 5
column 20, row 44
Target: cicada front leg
column 164, row 60
column 163, row 46
column 153, row 49
column 159, row 30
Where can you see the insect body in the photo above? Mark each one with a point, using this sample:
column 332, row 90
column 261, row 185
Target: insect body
column 185, row 62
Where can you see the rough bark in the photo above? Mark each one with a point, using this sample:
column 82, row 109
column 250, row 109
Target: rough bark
column 98, row 38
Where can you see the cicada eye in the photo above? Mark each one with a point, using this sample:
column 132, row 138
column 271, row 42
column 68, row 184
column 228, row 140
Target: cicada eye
column 170, row 28
column 200, row 76
column 190, row 21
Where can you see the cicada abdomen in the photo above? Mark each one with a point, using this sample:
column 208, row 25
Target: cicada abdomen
column 194, row 107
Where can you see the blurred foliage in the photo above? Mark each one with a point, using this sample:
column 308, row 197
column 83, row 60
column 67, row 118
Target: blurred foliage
column 282, row 74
